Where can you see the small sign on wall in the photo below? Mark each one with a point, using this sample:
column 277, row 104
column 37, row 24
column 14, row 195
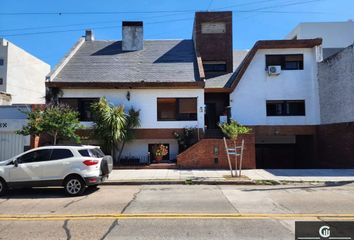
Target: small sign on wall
column 212, row 28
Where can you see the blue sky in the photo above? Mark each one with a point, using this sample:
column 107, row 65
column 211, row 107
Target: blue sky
column 163, row 19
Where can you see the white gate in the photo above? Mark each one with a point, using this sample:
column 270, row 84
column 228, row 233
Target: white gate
column 11, row 144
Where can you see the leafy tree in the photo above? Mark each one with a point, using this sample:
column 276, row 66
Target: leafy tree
column 109, row 124
column 58, row 121
column 232, row 130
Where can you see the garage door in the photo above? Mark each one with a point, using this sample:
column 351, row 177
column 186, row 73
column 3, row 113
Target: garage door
column 11, row 144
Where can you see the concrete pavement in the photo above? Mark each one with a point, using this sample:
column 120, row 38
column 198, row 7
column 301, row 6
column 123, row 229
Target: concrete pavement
column 223, row 176
column 185, row 202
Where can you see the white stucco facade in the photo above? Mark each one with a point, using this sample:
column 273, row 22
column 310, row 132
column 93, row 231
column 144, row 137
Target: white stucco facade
column 23, row 75
column 146, row 101
column 248, row 100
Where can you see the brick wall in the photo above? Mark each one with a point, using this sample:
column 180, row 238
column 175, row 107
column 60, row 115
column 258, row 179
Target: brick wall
column 335, row 144
column 201, row 155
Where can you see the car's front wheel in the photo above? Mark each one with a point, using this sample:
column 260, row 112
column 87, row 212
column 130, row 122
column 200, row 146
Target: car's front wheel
column 3, row 187
column 74, row 186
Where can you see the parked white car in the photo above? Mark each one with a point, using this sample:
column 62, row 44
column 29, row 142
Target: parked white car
column 74, row 167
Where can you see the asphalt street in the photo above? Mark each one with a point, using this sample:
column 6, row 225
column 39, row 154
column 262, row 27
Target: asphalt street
column 172, row 211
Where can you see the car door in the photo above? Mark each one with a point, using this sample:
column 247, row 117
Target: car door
column 55, row 168
column 29, row 167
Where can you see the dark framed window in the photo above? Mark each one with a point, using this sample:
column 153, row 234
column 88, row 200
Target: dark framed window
column 61, row 154
column 1, row 62
column 35, row 156
column 82, row 105
column 214, row 67
column 286, row 61
column 1, row 81
column 285, row 108
column 177, row 109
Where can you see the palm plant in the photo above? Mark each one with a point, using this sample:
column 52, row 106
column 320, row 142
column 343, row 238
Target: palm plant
column 133, row 121
column 109, row 124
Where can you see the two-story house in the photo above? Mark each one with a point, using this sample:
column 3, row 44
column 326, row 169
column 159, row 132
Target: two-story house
column 157, row 77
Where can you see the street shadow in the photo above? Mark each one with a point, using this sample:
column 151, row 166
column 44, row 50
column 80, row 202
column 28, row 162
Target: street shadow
column 300, row 187
column 311, row 172
column 42, row 193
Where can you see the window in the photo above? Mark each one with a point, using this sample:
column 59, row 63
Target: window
column 1, row 81
column 177, row 109
column 82, row 105
column 95, row 152
column 35, row 156
column 215, row 67
column 286, row 108
column 1, row 62
column 287, row 62
column 61, row 154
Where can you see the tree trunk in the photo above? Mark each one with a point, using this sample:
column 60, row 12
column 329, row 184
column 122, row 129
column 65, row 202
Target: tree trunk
column 235, row 158
column 121, row 151
column 55, row 139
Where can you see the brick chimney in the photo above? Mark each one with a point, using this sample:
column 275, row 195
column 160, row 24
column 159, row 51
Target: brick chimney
column 89, row 35
column 132, row 36
column 212, row 36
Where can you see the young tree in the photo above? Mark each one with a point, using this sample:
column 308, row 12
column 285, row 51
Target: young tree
column 232, row 130
column 110, row 122
column 58, row 121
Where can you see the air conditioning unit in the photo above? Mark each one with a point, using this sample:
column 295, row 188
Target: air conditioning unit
column 274, row 70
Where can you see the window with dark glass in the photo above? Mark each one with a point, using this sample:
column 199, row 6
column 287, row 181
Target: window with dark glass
column 286, row 61
column 177, row 109
column 82, row 105
column 214, row 67
column 1, row 62
column 35, row 156
column 1, row 81
column 61, row 154
column 286, row 108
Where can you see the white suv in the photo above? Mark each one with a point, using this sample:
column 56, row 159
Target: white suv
column 74, row 167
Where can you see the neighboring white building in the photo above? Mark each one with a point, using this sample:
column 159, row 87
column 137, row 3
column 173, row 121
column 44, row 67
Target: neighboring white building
column 288, row 97
column 12, row 119
column 335, row 35
column 21, row 74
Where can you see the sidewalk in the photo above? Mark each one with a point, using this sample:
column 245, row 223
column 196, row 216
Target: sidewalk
column 253, row 176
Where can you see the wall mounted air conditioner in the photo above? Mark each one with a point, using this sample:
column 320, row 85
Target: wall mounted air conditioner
column 274, row 70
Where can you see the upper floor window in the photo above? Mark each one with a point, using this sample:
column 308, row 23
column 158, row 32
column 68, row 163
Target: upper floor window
column 177, row 109
column 82, row 105
column 286, row 108
column 1, row 81
column 1, row 61
column 213, row 27
column 286, row 61
column 214, row 66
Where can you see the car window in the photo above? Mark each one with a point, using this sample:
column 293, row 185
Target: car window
column 93, row 152
column 35, row 156
column 61, row 154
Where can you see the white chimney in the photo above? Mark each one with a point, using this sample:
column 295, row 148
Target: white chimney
column 89, row 35
column 132, row 36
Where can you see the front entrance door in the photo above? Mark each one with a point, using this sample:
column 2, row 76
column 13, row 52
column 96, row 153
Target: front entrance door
column 210, row 116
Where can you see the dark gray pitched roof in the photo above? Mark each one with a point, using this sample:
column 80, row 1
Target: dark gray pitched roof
column 104, row 61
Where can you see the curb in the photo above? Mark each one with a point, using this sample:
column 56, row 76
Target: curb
column 177, row 182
